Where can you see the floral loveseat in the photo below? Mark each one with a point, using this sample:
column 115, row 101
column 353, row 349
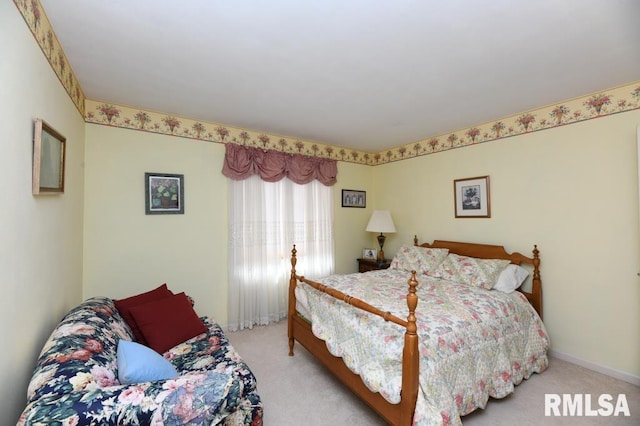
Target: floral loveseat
column 76, row 377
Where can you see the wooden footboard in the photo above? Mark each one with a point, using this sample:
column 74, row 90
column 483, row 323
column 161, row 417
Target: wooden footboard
column 300, row 330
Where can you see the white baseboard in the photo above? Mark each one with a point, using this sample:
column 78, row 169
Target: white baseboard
column 618, row 374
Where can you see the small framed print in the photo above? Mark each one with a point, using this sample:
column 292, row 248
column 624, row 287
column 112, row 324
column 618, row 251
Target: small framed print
column 352, row 198
column 48, row 159
column 369, row 253
column 471, row 197
column 164, row 193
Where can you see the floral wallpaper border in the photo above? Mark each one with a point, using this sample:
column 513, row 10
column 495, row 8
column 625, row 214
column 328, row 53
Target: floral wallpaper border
column 625, row 98
column 611, row 101
column 37, row 21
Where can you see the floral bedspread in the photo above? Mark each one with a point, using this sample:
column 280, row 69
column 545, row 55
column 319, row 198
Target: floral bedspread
column 474, row 343
column 76, row 378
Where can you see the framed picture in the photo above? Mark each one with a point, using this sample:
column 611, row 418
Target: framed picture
column 369, row 253
column 352, row 198
column 472, row 197
column 48, row 159
column 164, row 193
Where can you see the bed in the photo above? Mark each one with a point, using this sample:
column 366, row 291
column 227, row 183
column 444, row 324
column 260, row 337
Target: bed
column 430, row 352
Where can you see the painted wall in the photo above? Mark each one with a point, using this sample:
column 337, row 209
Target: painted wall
column 572, row 190
column 350, row 222
column 127, row 252
column 40, row 236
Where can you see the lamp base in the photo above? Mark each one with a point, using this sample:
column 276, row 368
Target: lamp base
column 381, row 239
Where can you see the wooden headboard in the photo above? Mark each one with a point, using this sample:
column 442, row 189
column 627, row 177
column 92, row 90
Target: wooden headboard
column 487, row 251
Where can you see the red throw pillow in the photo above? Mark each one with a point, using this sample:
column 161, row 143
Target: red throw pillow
column 125, row 305
column 168, row 322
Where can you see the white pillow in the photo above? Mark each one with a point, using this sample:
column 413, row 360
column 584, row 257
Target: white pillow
column 511, row 278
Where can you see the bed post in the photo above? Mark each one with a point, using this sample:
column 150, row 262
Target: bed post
column 292, row 299
column 536, row 287
column 410, row 358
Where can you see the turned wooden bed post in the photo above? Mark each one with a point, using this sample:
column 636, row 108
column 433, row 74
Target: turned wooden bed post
column 292, row 299
column 410, row 358
column 536, row 286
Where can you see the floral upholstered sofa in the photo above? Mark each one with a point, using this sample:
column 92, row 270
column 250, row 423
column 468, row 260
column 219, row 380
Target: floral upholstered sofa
column 76, row 379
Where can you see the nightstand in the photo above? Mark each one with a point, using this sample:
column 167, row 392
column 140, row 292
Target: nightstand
column 365, row 265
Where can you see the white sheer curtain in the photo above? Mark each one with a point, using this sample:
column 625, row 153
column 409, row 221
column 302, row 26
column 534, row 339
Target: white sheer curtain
column 265, row 220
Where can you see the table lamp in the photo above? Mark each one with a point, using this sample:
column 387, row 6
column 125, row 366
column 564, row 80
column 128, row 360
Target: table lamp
column 381, row 221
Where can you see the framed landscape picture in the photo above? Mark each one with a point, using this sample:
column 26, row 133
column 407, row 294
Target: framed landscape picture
column 471, row 197
column 164, row 193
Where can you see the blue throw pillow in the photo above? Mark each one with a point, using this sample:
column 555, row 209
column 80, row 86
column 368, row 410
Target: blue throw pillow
column 138, row 363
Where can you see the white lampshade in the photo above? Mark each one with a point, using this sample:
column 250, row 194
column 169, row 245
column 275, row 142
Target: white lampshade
column 381, row 221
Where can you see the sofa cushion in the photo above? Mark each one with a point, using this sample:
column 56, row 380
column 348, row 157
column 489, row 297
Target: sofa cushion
column 138, row 363
column 211, row 350
column 125, row 305
column 167, row 322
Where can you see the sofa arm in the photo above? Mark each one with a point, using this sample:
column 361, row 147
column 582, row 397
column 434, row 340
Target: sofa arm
column 194, row 398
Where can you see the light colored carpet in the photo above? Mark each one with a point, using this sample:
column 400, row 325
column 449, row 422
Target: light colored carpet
column 298, row 390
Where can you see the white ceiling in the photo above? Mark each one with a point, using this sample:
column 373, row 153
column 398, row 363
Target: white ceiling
column 364, row 74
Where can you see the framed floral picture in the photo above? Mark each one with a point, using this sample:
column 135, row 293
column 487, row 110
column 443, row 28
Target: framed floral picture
column 471, row 197
column 164, row 193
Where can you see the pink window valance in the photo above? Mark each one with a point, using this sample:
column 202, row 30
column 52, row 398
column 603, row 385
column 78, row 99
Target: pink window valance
column 240, row 162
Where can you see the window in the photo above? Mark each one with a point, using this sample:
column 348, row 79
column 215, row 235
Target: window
column 265, row 220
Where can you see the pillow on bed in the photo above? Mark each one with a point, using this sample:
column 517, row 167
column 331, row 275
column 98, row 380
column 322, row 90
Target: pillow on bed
column 511, row 278
column 419, row 259
column 475, row 272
